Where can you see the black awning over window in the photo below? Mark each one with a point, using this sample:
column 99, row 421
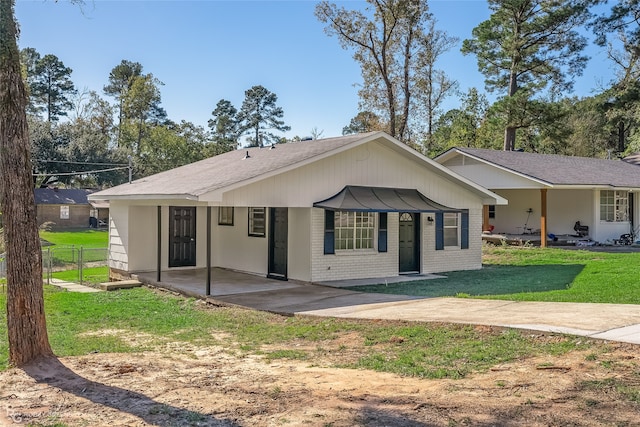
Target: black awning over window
column 381, row 199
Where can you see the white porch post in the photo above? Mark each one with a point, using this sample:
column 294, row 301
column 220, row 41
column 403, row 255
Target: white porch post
column 208, row 290
column 543, row 217
column 159, row 244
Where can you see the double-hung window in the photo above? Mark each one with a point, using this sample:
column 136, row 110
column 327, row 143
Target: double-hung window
column 257, row 222
column 451, row 229
column 614, row 206
column 354, row 230
column 225, row 215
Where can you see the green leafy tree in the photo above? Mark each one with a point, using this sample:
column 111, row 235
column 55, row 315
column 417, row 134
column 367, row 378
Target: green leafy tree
column 29, row 57
column 50, row 85
column 395, row 43
column 584, row 128
column 225, row 126
column 141, row 107
column 48, row 143
column 26, row 323
column 461, row 126
column 364, row 121
column 621, row 102
column 528, row 47
column 259, row 115
column 121, row 78
column 173, row 146
column 435, row 85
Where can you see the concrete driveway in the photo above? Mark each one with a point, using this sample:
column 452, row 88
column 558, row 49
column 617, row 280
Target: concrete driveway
column 616, row 322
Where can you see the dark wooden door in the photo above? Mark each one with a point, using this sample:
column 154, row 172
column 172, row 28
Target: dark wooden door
column 278, row 237
column 409, row 242
column 182, row 236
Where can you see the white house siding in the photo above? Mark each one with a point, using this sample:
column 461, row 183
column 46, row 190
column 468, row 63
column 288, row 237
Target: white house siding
column 233, row 248
column 118, row 236
column 511, row 218
column 373, row 165
column 490, row 176
column 452, row 259
column 299, row 246
column 143, row 233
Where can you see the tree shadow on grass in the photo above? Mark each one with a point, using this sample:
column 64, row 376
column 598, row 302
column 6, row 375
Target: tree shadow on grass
column 52, row 372
column 491, row 280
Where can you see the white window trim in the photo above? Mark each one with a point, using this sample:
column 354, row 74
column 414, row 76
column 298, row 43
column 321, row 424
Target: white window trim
column 617, row 195
column 457, row 227
column 252, row 222
column 356, row 251
column 65, row 212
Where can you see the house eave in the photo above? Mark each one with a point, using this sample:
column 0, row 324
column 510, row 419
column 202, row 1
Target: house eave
column 454, row 151
column 163, row 197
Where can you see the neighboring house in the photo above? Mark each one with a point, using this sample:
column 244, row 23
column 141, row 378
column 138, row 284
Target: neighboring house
column 550, row 193
column 357, row 206
column 67, row 208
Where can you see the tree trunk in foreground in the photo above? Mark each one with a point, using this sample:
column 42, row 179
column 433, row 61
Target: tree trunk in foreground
column 25, row 303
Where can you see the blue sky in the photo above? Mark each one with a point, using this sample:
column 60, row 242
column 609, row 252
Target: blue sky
column 204, row 51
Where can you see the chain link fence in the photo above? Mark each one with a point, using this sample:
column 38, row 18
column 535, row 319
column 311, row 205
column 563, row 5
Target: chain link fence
column 75, row 264
column 70, row 263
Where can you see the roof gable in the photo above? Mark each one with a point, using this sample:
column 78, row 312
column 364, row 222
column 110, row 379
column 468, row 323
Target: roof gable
column 554, row 170
column 229, row 168
column 228, row 171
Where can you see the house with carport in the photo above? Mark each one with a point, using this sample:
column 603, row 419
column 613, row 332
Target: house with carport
column 350, row 207
column 550, row 194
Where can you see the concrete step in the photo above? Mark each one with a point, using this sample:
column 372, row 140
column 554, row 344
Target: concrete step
column 121, row 284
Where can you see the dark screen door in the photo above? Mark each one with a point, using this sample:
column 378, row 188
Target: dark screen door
column 278, row 237
column 182, row 236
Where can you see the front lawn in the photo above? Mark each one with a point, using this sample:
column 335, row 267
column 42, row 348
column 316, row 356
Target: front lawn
column 89, row 238
column 143, row 320
column 90, row 275
column 535, row 274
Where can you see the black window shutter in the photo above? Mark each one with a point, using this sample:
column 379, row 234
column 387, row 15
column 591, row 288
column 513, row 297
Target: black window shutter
column 329, row 232
column 464, row 230
column 382, row 232
column 439, row 231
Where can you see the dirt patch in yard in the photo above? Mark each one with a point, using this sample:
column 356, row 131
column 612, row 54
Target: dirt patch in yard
column 180, row 385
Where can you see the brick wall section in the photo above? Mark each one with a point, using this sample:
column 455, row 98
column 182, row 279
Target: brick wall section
column 352, row 265
column 78, row 216
column 375, row 264
column 452, row 259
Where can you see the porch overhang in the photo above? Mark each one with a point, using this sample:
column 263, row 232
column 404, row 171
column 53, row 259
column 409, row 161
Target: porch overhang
column 354, row 198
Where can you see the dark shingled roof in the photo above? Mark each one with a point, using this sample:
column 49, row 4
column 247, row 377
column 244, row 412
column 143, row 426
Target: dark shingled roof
column 633, row 159
column 561, row 170
column 229, row 168
column 70, row 196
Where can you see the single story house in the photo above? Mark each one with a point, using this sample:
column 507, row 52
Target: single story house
column 68, row 207
column 357, row 206
column 549, row 194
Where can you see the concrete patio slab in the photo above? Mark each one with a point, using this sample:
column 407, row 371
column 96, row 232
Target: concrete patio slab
column 617, row 322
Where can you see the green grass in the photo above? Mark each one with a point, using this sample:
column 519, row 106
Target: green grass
column 86, row 238
column 66, row 245
column 91, row 275
column 140, row 319
column 534, row 274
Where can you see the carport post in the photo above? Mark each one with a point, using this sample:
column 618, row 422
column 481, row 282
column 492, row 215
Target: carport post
column 208, row 292
column 159, row 244
column 543, row 217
